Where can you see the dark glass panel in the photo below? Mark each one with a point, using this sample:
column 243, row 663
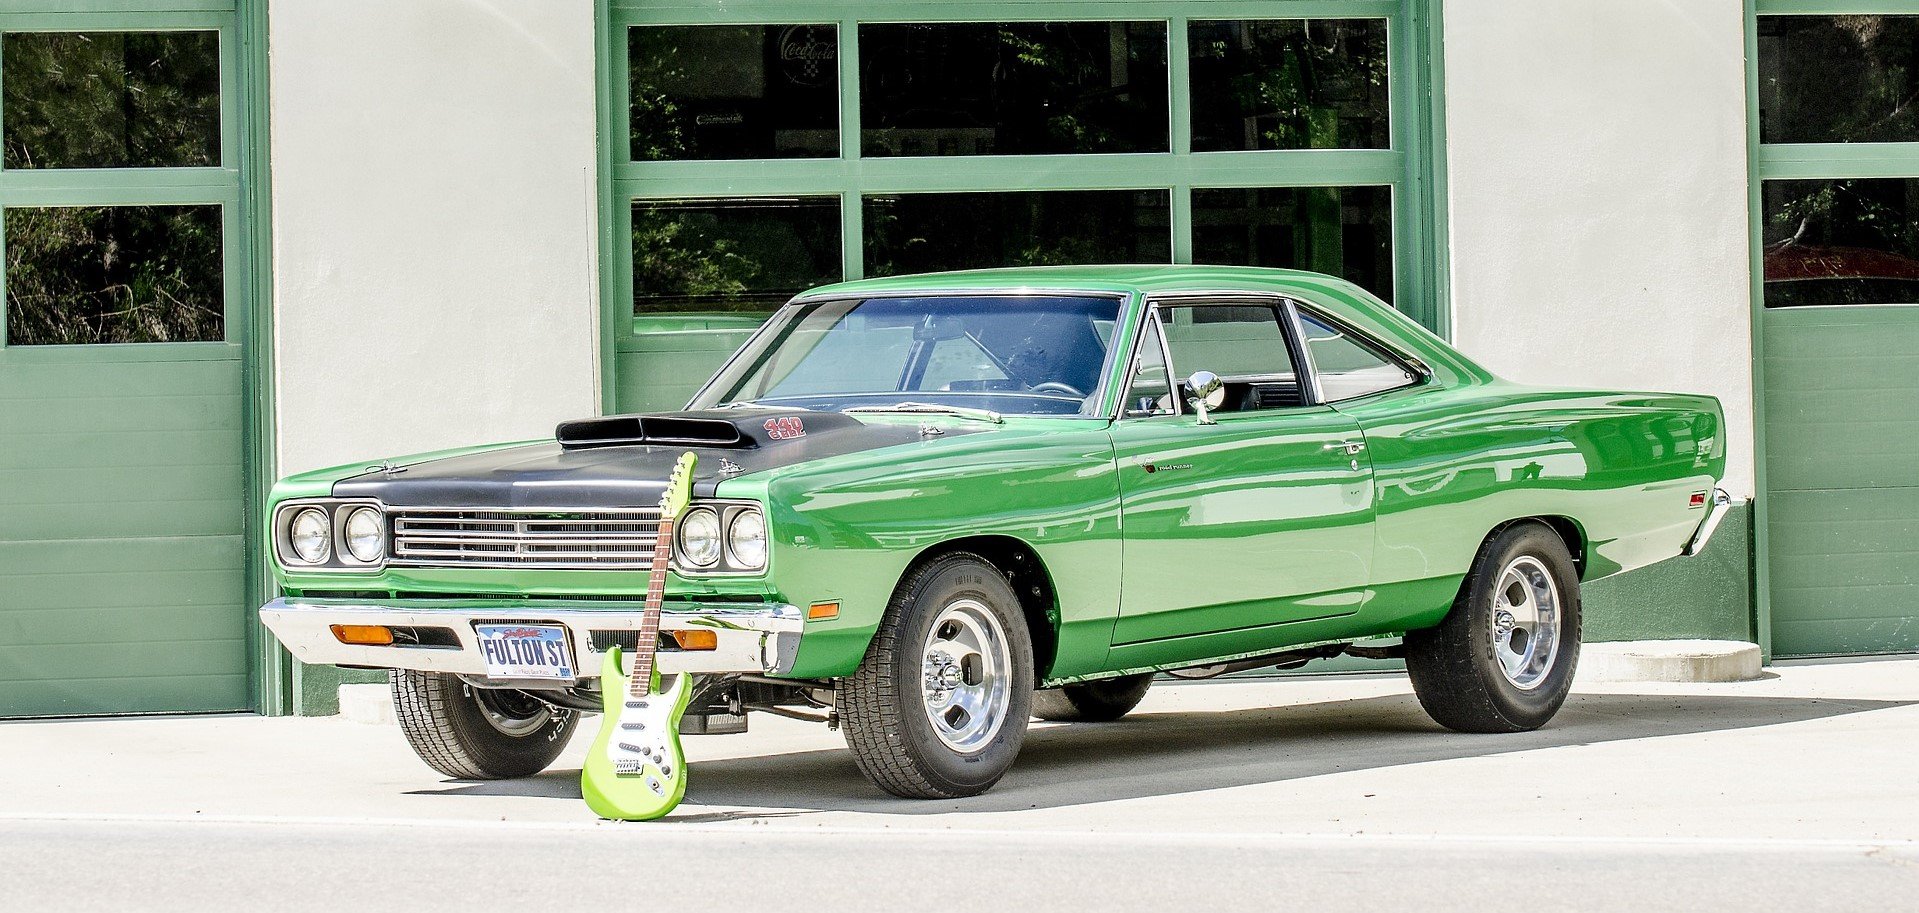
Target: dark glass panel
column 110, row 99
column 927, row 232
column 1839, row 79
column 1344, row 231
column 738, row 255
column 1841, row 242
column 1289, row 84
column 981, row 88
column 734, row 91
column 101, row 274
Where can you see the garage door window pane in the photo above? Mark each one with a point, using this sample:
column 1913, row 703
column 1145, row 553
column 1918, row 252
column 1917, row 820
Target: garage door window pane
column 1839, row 79
column 1842, row 242
column 110, row 99
column 113, row 274
column 1344, row 231
column 926, row 232
column 736, row 255
column 1016, row 88
column 734, row 91
column 1289, row 84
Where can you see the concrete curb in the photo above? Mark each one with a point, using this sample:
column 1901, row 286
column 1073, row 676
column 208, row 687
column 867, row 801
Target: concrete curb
column 372, row 704
column 1669, row 661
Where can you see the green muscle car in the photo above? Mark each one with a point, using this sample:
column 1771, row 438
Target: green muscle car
column 930, row 508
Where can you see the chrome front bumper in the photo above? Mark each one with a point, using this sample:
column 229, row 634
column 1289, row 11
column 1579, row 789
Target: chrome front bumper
column 1715, row 511
column 759, row 638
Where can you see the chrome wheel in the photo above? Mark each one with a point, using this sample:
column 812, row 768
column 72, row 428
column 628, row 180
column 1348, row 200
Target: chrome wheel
column 513, row 713
column 1526, row 622
column 966, row 678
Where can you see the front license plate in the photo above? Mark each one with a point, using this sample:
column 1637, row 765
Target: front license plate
column 525, row 651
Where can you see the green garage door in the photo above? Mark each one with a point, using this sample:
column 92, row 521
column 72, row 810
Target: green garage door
column 759, row 147
column 122, row 497
column 1839, row 206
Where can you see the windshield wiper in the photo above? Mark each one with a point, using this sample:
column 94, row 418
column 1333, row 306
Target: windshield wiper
column 982, row 415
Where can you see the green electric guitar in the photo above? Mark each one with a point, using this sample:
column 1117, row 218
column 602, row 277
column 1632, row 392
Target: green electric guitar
column 636, row 770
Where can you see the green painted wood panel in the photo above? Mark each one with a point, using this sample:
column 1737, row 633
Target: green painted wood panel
column 1841, row 390
column 122, row 519
column 657, row 371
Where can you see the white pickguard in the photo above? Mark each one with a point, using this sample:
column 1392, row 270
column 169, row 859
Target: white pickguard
column 643, row 738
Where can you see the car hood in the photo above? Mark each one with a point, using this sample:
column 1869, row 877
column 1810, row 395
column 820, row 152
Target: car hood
column 624, row 460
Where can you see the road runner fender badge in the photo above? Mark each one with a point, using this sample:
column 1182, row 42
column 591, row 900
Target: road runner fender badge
column 785, row 428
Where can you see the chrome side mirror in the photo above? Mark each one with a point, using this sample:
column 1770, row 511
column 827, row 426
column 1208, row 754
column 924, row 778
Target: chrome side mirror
column 1207, row 392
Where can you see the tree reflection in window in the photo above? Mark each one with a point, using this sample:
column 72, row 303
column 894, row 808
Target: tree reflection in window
column 113, row 274
column 744, row 255
column 110, row 99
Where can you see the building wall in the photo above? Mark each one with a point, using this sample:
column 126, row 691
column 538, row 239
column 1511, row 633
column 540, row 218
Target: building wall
column 434, row 210
column 1596, row 156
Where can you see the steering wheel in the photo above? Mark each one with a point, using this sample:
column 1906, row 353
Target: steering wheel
column 1053, row 386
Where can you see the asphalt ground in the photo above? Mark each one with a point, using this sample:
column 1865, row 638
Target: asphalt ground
column 1795, row 792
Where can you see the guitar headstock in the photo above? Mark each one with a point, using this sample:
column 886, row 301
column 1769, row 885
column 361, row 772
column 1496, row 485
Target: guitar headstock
column 679, row 487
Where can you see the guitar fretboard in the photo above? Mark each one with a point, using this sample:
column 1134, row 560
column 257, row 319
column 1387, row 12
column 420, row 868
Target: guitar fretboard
column 649, row 640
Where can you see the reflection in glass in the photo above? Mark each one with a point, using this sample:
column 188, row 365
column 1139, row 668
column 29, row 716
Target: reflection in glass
column 1343, row 231
column 1839, row 79
column 1289, row 84
column 734, row 91
column 731, row 255
column 981, row 88
column 1841, row 242
column 110, row 99
column 927, row 232
column 105, row 274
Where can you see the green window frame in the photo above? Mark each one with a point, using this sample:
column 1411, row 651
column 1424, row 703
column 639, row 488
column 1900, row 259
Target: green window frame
column 657, row 345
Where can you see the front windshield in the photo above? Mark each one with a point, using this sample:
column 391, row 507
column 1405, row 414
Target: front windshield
column 1014, row 354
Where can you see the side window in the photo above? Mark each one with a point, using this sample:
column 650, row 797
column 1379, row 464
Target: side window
column 1150, row 392
column 1242, row 343
column 1347, row 366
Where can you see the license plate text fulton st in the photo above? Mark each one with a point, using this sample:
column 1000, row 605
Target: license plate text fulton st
column 525, row 651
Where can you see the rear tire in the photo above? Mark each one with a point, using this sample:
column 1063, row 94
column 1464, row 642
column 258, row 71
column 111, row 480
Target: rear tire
column 1092, row 702
column 473, row 733
column 938, row 708
column 1503, row 659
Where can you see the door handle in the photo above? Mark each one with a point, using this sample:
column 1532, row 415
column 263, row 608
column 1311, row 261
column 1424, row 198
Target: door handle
column 1352, row 448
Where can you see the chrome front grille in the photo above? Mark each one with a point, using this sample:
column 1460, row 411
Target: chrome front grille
column 524, row 538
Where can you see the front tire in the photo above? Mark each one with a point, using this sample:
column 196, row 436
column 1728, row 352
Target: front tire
column 1102, row 701
column 1503, row 659
column 939, row 706
column 473, row 733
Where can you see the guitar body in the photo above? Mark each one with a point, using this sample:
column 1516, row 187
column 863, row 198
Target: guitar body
column 636, row 770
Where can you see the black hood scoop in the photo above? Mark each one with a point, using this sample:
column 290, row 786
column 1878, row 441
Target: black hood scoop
column 721, row 429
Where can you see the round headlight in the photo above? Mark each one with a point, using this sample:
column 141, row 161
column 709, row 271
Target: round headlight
column 699, row 533
column 365, row 535
column 746, row 540
column 311, row 536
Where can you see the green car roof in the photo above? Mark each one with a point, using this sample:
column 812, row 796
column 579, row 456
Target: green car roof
column 1144, row 278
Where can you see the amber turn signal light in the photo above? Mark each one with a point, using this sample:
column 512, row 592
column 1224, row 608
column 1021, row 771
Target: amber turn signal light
column 364, row 635
column 696, row 640
column 821, row 611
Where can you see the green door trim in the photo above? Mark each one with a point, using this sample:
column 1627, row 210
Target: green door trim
column 1787, row 161
column 1413, row 167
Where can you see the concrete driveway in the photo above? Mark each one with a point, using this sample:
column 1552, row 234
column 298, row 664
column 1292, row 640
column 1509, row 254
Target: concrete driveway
column 1793, row 792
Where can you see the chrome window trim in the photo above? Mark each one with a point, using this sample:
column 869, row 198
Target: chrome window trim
column 1150, row 316
column 1280, row 301
column 1422, row 375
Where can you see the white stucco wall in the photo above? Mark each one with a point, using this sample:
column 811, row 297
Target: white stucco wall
column 433, row 223
column 1596, row 155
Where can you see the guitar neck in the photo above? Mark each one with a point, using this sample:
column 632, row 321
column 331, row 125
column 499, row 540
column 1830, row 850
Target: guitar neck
column 649, row 640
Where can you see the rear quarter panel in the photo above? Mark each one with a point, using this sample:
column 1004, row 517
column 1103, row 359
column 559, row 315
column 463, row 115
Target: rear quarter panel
column 1453, row 463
